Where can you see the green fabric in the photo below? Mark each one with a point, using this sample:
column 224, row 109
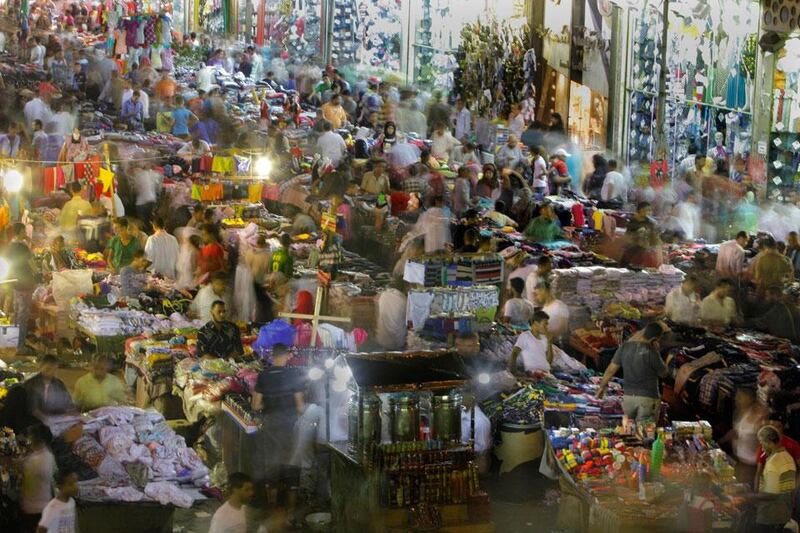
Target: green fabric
column 121, row 254
column 282, row 262
column 541, row 229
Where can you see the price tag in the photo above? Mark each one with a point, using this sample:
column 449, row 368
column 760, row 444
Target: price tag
column 777, row 141
column 778, row 165
column 796, row 145
column 776, row 180
column 779, row 126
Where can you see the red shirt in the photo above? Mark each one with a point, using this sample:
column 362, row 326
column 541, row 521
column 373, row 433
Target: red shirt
column 791, row 445
column 211, row 258
column 561, row 167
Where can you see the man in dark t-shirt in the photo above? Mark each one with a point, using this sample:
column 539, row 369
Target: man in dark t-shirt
column 279, row 398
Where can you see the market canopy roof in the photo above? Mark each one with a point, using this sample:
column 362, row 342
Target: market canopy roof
column 406, row 371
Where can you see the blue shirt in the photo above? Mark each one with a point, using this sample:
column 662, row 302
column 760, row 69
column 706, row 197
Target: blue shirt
column 181, row 118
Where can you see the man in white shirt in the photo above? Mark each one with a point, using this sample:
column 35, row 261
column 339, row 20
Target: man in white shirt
column 518, row 311
column 34, row 109
column 683, row 303
column 391, row 327
column 730, row 259
column 38, row 53
column 162, row 250
column 556, row 310
column 434, row 225
column 147, row 184
column 62, row 123
column 539, row 171
column 718, row 309
column 538, row 351
column 331, row 145
column 442, row 143
column 542, row 273
column 216, row 289
column 59, row 515
column 462, row 121
column 614, row 185
column 230, row 517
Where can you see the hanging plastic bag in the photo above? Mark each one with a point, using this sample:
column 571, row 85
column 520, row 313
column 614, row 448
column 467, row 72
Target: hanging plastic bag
column 276, row 332
column 68, row 284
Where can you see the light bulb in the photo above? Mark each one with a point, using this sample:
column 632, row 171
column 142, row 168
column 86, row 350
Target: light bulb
column 483, row 378
column 4, row 268
column 329, row 362
column 263, row 167
column 315, row 373
column 12, row 180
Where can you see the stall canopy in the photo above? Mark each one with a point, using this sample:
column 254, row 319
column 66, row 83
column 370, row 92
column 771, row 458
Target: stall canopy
column 387, row 372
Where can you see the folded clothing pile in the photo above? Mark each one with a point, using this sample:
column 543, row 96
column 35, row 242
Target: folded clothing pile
column 132, row 450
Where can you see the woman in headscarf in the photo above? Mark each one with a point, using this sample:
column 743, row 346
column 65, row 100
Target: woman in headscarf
column 488, row 185
column 303, row 306
column 388, row 138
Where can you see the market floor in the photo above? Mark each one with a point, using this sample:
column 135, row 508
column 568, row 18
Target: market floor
column 532, row 510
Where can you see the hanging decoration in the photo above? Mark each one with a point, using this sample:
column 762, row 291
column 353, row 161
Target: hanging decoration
column 497, row 68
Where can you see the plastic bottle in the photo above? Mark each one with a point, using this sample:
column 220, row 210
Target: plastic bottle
column 656, row 457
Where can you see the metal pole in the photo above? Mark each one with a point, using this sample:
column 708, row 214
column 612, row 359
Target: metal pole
column 328, row 406
column 661, row 102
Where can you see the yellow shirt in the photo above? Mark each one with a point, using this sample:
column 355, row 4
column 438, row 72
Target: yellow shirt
column 90, row 394
column 71, row 210
column 334, row 114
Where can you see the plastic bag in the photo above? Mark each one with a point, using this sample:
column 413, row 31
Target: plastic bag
column 68, row 284
column 276, row 332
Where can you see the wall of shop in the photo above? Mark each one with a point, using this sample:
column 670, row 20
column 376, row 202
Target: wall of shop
column 711, row 59
column 576, row 59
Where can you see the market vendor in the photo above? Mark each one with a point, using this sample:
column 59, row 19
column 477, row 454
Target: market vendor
column 544, row 228
column 215, row 289
column 122, row 246
column 279, row 398
column 99, row 388
column 219, row 337
column 134, row 277
column 544, row 267
column 770, row 268
column 538, row 351
column 47, row 395
column 641, row 363
column 718, row 309
column 683, row 305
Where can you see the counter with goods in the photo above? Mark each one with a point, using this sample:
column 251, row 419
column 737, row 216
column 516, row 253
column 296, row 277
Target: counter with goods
column 422, row 473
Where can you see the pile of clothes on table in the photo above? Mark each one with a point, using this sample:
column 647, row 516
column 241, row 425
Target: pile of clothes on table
column 127, row 454
column 596, row 286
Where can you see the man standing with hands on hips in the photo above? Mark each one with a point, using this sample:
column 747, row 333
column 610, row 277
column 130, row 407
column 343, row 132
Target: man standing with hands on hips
column 642, row 366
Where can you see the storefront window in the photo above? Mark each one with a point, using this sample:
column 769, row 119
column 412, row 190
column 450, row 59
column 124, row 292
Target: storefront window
column 291, row 30
column 367, row 35
column 435, row 34
column 784, row 140
column 709, row 81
